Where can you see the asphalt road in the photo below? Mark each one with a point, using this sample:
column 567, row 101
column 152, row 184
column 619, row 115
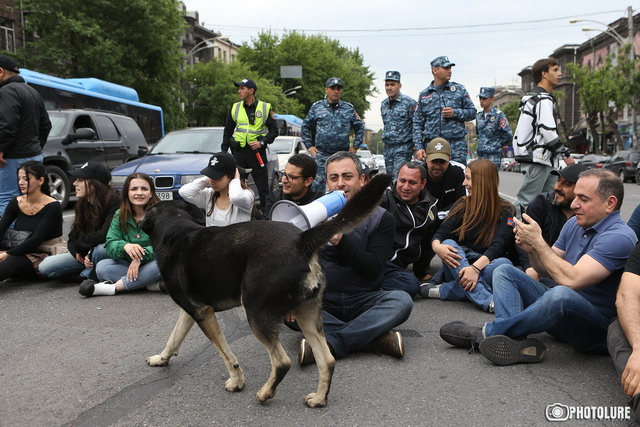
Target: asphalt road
column 69, row 360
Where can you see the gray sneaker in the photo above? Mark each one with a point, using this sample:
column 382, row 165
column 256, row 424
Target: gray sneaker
column 459, row 334
column 503, row 350
column 429, row 290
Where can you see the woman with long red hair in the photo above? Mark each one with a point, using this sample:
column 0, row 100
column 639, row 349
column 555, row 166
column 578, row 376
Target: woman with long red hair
column 474, row 239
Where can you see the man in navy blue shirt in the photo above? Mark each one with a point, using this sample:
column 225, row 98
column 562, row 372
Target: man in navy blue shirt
column 586, row 263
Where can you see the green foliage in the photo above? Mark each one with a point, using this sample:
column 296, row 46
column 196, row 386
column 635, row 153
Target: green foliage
column 376, row 146
column 129, row 42
column 210, row 92
column 320, row 58
column 512, row 111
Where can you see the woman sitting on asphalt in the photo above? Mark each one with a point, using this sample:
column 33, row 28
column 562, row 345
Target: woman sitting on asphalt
column 474, row 239
column 37, row 232
column 224, row 196
column 97, row 202
column 131, row 264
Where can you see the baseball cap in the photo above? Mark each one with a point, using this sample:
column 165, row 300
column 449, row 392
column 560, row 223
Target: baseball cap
column 442, row 61
column 220, row 164
column 438, row 148
column 247, row 83
column 392, row 75
column 9, row 64
column 333, row 81
column 486, row 92
column 571, row 173
column 93, row 170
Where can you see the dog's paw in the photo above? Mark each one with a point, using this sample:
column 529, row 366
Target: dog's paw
column 314, row 400
column 265, row 393
column 157, row 360
column 234, row 384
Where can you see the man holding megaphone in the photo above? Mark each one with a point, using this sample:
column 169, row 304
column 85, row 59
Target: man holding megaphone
column 358, row 315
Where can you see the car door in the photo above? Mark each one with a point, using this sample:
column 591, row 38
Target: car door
column 83, row 150
column 115, row 149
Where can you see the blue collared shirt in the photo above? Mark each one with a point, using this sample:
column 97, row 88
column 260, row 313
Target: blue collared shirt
column 609, row 242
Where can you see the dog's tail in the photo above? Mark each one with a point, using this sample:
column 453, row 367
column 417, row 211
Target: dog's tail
column 355, row 211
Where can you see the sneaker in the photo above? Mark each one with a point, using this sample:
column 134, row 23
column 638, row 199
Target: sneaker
column 305, row 353
column 429, row 290
column 86, row 288
column 459, row 334
column 390, row 343
column 492, row 307
column 503, row 350
column 154, row 286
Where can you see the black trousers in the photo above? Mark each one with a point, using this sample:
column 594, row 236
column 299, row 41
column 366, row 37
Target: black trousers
column 246, row 158
column 620, row 351
column 16, row 266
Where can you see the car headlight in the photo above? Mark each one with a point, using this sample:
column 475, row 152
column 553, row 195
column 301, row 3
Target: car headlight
column 185, row 179
column 118, row 181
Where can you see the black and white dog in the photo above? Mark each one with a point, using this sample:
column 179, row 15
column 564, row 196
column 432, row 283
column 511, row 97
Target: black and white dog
column 271, row 268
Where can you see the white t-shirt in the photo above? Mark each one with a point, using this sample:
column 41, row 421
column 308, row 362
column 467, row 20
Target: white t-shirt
column 199, row 194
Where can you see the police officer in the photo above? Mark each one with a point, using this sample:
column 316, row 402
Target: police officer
column 492, row 128
column 252, row 126
column 443, row 108
column 325, row 129
column 397, row 115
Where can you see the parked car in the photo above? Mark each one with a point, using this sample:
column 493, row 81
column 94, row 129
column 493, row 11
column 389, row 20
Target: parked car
column 367, row 158
column 509, row 164
column 594, row 160
column 577, row 157
column 78, row 136
column 285, row 147
column 178, row 158
column 379, row 158
column 624, row 164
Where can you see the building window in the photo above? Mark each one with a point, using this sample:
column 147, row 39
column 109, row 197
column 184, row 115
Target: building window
column 7, row 35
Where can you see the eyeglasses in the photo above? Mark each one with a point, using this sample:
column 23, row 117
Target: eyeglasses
column 290, row 177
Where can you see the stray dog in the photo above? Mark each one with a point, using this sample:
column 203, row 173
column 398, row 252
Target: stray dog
column 271, row 268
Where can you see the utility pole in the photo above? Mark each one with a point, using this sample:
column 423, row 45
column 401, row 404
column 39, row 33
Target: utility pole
column 632, row 57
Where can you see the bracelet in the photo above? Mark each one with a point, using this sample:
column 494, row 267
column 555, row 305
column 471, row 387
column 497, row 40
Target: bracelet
column 475, row 268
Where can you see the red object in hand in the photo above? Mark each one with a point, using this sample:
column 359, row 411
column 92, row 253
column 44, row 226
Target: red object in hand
column 259, row 157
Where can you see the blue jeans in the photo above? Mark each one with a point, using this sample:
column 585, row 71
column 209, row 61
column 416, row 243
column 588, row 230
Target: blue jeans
column 399, row 279
column 451, row 289
column 66, row 264
column 352, row 321
column 116, row 269
column 525, row 306
column 9, row 180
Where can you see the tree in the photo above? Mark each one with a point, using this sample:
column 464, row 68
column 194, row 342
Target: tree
column 320, row 58
column 512, row 111
column 376, row 146
column 210, row 92
column 599, row 91
column 129, row 42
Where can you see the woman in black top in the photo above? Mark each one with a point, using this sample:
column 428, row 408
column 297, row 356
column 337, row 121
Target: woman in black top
column 474, row 238
column 37, row 213
column 97, row 202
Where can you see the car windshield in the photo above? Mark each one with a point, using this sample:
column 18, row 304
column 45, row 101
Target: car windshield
column 282, row 145
column 594, row 158
column 190, row 141
column 57, row 124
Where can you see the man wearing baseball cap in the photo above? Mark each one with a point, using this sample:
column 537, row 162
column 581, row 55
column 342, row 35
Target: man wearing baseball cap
column 249, row 128
column 397, row 115
column 24, row 127
column 443, row 108
column 444, row 177
column 492, row 128
column 325, row 129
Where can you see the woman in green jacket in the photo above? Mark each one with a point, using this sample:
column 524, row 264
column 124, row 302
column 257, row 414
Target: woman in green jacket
column 131, row 264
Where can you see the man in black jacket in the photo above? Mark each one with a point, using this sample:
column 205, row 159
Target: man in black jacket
column 24, row 127
column 297, row 179
column 416, row 215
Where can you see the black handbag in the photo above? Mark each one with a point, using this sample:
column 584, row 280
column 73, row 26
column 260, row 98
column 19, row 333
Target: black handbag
column 13, row 238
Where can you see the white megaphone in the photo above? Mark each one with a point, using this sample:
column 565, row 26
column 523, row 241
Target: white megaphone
column 307, row 216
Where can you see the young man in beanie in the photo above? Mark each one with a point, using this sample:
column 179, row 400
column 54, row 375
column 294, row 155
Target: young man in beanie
column 24, row 127
column 249, row 128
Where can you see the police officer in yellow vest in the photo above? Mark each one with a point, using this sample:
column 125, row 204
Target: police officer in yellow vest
column 249, row 128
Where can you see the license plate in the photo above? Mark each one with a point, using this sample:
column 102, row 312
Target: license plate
column 165, row 195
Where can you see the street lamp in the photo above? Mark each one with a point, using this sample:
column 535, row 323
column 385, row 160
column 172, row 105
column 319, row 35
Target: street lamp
column 291, row 91
column 632, row 56
column 208, row 44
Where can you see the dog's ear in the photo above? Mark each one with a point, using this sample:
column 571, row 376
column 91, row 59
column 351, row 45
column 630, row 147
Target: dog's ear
column 195, row 213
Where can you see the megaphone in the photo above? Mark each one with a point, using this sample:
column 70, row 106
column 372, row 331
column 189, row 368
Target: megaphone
column 307, row 216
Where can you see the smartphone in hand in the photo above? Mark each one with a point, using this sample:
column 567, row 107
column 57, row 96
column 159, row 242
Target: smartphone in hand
column 522, row 211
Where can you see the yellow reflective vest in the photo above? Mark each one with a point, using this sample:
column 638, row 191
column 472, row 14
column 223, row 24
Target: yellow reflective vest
column 245, row 132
